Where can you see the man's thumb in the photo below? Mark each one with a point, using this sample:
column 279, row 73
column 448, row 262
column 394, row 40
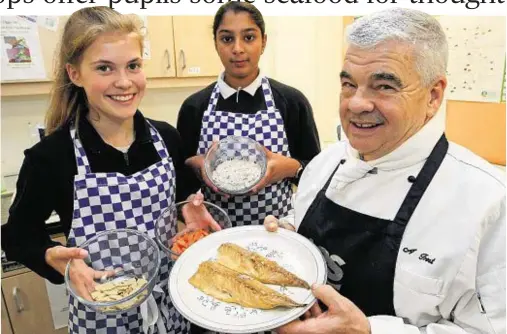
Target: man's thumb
column 326, row 294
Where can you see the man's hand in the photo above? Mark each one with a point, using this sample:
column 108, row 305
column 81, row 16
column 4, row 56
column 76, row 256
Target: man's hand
column 271, row 224
column 342, row 316
column 81, row 275
column 279, row 167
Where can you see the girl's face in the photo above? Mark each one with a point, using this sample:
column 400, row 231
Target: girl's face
column 110, row 72
column 239, row 43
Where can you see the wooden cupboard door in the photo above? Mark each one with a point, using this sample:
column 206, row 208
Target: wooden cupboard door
column 159, row 38
column 194, row 47
column 28, row 304
column 6, row 324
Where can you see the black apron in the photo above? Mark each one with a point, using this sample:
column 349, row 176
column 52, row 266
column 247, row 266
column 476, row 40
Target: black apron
column 360, row 250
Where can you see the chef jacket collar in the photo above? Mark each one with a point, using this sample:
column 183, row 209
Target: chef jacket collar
column 414, row 150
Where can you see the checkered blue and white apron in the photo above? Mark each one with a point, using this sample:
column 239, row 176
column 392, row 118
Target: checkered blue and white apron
column 105, row 201
column 267, row 128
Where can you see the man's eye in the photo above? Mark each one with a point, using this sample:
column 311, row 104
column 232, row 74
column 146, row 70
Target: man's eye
column 347, row 85
column 104, row 68
column 385, row 87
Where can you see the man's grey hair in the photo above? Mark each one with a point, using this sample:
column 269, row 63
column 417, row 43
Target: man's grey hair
column 412, row 27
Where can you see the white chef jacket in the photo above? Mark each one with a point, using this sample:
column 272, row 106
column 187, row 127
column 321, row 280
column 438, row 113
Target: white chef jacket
column 459, row 225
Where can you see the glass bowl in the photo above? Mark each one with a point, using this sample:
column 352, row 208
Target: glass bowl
column 132, row 257
column 235, row 164
column 176, row 229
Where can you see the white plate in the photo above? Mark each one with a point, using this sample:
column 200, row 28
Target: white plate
column 292, row 251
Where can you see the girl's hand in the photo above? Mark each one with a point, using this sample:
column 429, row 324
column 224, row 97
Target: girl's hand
column 81, row 275
column 279, row 167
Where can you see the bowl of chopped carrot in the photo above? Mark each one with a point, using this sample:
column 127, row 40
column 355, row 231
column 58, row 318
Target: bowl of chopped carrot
column 183, row 224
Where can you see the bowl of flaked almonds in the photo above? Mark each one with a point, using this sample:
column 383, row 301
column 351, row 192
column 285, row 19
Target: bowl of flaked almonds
column 125, row 264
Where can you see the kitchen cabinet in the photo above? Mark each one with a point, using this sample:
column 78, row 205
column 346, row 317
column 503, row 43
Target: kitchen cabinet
column 25, row 303
column 194, row 47
column 28, row 305
column 182, row 47
column 6, row 324
column 161, row 62
column 181, row 54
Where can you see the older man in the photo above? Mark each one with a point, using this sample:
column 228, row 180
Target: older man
column 411, row 225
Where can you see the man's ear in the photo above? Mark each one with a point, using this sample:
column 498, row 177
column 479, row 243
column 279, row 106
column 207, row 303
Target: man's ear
column 73, row 74
column 436, row 96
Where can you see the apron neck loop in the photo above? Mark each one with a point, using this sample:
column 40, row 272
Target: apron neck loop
column 82, row 163
column 158, row 142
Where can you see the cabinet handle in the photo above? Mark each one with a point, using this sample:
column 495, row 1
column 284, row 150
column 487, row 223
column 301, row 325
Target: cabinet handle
column 168, row 59
column 17, row 300
column 183, row 59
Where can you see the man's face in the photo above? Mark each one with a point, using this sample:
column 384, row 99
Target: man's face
column 382, row 101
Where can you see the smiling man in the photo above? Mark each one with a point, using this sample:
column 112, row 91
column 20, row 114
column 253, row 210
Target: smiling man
column 411, row 225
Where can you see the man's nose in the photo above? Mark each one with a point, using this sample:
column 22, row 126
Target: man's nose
column 360, row 102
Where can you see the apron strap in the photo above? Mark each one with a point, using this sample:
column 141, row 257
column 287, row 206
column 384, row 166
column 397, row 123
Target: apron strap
column 215, row 94
column 158, row 142
column 83, row 166
column 324, row 189
column 422, row 181
column 268, row 95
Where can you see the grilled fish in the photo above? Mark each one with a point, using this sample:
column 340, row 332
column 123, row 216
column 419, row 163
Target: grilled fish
column 257, row 266
column 229, row 286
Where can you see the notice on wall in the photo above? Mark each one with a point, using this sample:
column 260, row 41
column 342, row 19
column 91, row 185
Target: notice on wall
column 146, row 43
column 48, row 22
column 59, row 304
column 21, row 51
column 476, row 57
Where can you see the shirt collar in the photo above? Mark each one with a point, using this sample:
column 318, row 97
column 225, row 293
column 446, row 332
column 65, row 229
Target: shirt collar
column 227, row 91
column 92, row 140
column 414, row 150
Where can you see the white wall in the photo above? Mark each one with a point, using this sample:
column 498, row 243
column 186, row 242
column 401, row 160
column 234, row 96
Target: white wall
column 308, row 56
column 304, row 52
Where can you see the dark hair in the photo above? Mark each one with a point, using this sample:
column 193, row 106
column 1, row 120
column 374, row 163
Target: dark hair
column 237, row 7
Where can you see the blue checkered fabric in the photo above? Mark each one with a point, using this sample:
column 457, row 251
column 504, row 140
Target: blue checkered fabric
column 105, row 201
column 267, row 128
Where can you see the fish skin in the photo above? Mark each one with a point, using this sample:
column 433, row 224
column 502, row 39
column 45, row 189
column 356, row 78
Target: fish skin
column 257, row 266
column 229, row 286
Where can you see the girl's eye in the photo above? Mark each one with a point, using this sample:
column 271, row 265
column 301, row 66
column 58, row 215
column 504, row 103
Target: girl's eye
column 226, row 39
column 104, row 68
column 249, row 38
column 134, row 66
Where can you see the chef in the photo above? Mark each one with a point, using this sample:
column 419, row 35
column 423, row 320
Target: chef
column 412, row 226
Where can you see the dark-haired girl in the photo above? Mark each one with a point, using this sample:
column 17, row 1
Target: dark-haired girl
column 244, row 102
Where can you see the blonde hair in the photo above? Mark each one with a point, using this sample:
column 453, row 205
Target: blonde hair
column 68, row 101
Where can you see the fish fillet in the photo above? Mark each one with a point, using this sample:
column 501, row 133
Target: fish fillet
column 230, row 286
column 257, row 266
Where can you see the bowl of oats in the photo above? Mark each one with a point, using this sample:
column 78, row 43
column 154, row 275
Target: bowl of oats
column 126, row 263
column 235, row 164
